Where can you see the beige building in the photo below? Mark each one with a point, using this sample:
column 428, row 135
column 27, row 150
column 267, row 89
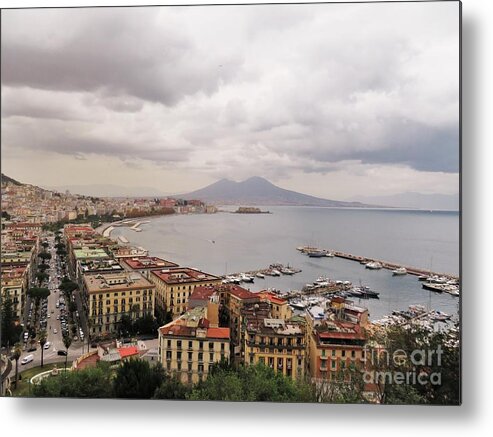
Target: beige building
column 174, row 286
column 14, row 284
column 111, row 295
column 191, row 344
column 277, row 343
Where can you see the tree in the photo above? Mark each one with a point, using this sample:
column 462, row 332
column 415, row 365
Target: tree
column 44, row 256
column 43, row 338
column 68, row 286
column 252, row 383
column 172, row 388
column 16, row 355
column 43, row 267
column 125, row 327
column 136, row 379
column 432, row 355
column 85, row 383
column 41, row 276
column 45, row 244
column 67, row 341
column 10, row 330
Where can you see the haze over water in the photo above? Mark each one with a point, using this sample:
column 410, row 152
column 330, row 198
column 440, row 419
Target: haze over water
column 229, row 243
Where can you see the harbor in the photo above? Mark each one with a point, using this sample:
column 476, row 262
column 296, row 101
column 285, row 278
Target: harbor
column 432, row 281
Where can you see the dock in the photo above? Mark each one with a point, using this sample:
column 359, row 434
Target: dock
column 387, row 264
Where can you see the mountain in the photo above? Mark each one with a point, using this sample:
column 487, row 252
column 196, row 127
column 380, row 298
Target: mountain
column 108, row 190
column 259, row 191
column 6, row 180
column 416, row 200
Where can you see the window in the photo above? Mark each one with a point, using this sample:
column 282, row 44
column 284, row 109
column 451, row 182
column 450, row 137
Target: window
column 190, row 356
column 343, row 353
column 211, row 357
column 222, row 346
column 201, row 356
column 178, row 356
column 353, row 354
column 169, row 344
column 190, row 345
column 333, row 352
column 178, row 344
column 211, row 345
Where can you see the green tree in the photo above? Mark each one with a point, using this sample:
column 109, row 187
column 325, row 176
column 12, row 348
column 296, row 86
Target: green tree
column 44, row 256
column 136, row 379
column 252, row 383
column 434, row 355
column 16, row 355
column 85, row 383
column 125, row 327
column 43, row 267
column 43, row 338
column 172, row 388
column 45, row 244
column 42, row 276
column 10, row 330
column 67, row 341
column 68, row 286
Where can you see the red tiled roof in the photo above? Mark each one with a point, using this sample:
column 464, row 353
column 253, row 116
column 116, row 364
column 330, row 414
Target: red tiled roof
column 272, row 297
column 202, row 293
column 218, row 333
column 128, row 351
column 183, row 275
column 149, row 262
column 240, row 292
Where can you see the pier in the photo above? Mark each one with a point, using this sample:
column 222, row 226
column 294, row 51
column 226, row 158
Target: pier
column 385, row 264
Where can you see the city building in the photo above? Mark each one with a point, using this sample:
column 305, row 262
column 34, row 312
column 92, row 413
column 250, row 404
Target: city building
column 336, row 338
column 174, row 286
column 191, row 344
column 277, row 343
column 112, row 295
column 145, row 264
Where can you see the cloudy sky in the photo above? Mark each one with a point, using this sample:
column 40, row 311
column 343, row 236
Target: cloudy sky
column 332, row 100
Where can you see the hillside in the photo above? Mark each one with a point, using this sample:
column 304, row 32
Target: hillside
column 259, row 191
column 6, row 180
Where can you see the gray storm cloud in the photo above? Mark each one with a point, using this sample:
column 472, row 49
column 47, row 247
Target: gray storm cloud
column 236, row 90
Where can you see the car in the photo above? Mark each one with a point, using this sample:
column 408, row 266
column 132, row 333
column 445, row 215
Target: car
column 47, row 345
column 62, row 352
column 27, row 359
column 55, row 331
column 32, row 349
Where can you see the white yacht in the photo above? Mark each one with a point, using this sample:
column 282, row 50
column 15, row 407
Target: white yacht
column 400, row 271
column 373, row 265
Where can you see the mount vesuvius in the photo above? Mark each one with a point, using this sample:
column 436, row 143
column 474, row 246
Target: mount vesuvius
column 259, row 191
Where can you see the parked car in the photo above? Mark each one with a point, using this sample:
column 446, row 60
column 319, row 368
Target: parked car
column 62, row 352
column 27, row 359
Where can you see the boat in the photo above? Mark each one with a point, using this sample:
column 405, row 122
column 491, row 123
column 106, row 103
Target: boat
column 275, row 272
column 330, row 254
column 233, row 280
column 299, row 305
column 260, row 275
column 317, row 254
column 364, row 292
column 399, row 272
column 438, row 316
column 287, row 271
column 422, row 278
column 246, row 278
column 432, row 287
column 373, row 265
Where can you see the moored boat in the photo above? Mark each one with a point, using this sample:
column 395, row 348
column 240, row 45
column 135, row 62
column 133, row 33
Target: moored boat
column 400, row 271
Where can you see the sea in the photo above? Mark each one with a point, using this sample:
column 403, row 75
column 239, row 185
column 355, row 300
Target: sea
column 226, row 243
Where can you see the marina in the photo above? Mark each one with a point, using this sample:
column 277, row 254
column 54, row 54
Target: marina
column 433, row 281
